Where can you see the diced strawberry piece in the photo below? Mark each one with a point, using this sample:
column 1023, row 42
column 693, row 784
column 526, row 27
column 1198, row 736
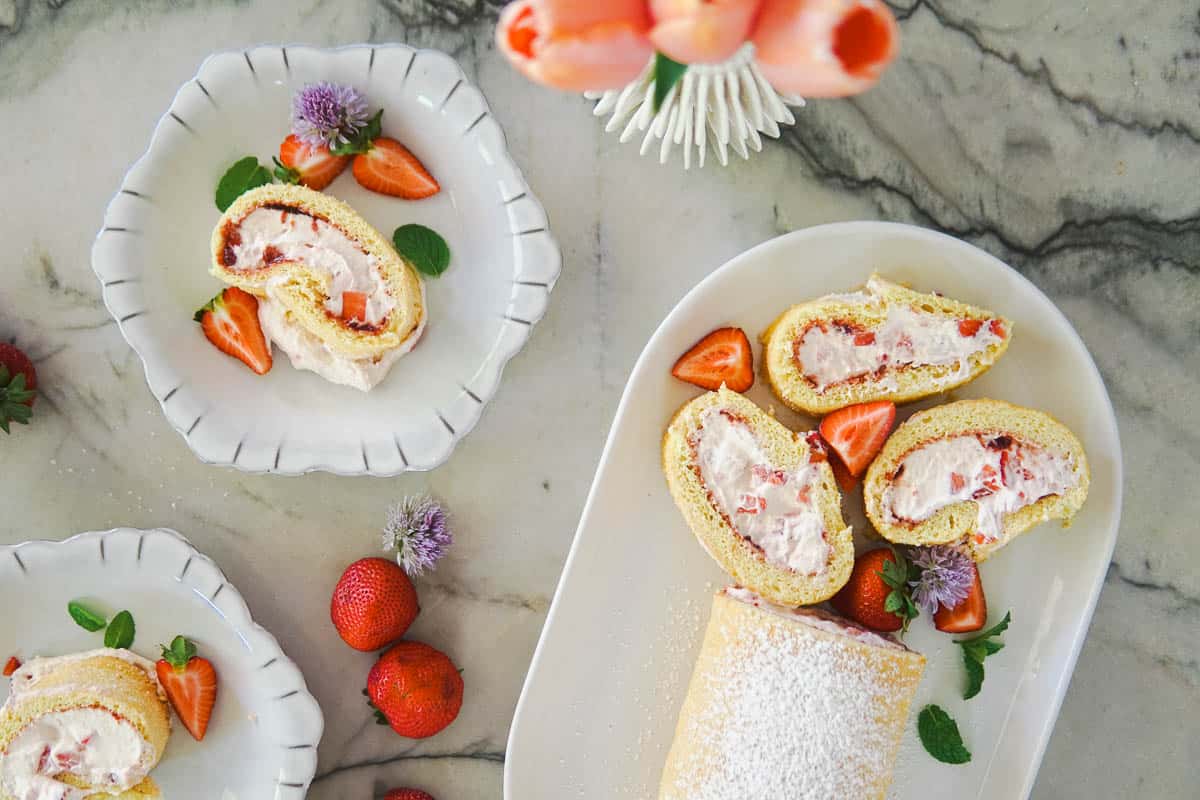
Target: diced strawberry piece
column 804, row 495
column 721, row 357
column 997, row 327
column 816, row 448
column 314, row 167
column 987, row 471
column 1004, row 467
column 775, row 477
column 230, row 321
column 970, row 614
column 981, row 492
column 969, row 327
column 864, row 339
column 857, row 432
column 957, row 482
column 752, row 504
column 11, row 666
column 390, row 168
column 354, row 306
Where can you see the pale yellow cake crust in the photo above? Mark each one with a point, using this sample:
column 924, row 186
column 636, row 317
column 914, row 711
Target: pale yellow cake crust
column 303, row 293
column 954, row 522
column 786, row 378
column 736, row 554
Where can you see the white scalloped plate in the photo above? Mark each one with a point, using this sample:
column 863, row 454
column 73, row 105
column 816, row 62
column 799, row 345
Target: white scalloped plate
column 152, row 259
column 263, row 736
column 635, row 593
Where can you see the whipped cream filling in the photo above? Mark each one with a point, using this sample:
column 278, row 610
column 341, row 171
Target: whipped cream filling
column 268, row 236
column 308, row 352
column 829, row 354
column 815, row 618
column 91, row 743
column 771, row 507
column 999, row 474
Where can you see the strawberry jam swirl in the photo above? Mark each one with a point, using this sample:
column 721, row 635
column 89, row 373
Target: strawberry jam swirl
column 276, row 233
column 829, row 353
column 995, row 471
column 772, row 508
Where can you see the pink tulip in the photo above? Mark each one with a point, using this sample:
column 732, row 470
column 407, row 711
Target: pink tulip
column 576, row 44
column 701, row 31
column 825, row 48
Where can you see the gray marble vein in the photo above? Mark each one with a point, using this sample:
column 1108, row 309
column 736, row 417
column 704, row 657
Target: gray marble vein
column 1065, row 139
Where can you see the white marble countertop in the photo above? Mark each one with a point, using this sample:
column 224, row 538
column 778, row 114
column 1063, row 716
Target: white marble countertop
column 1063, row 141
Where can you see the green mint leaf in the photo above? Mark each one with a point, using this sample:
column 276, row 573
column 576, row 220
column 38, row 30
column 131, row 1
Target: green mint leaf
column 894, row 603
column 85, row 617
column 245, row 174
column 361, row 141
column 120, row 631
column 939, row 733
column 284, row 173
column 423, row 247
column 974, row 676
column 997, row 629
column 667, row 73
column 993, row 647
column 975, row 651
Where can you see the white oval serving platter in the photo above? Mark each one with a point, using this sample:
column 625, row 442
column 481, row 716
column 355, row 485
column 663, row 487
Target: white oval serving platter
column 152, row 259
column 600, row 703
column 263, row 736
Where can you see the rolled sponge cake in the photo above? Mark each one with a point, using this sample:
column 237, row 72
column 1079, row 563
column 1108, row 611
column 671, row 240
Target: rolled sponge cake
column 788, row 452
column 793, row 704
column 955, row 522
column 304, row 291
column 116, row 682
column 868, row 310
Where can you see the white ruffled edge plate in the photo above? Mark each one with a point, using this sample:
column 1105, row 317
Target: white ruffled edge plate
column 151, row 257
column 257, row 678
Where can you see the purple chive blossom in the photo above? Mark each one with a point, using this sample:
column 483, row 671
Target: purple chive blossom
column 946, row 577
column 327, row 113
column 416, row 529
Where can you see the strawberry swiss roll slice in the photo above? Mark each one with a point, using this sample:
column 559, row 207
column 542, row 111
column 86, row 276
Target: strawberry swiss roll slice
column 979, row 472
column 882, row 342
column 761, row 499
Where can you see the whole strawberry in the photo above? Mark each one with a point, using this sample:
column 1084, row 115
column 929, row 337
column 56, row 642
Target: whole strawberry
column 417, row 688
column 373, row 604
column 407, row 794
column 18, row 386
column 877, row 593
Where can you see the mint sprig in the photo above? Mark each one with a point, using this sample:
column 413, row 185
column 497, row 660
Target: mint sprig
column 939, row 733
column 424, row 247
column 362, row 139
column 244, row 175
column 91, row 621
column 667, row 73
column 285, row 174
column 120, row 632
column 897, row 574
column 976, row 649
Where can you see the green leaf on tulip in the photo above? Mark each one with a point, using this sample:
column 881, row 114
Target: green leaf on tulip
column 667, row 73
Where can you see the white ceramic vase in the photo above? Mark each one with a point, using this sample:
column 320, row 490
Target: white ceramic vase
column 724, row 106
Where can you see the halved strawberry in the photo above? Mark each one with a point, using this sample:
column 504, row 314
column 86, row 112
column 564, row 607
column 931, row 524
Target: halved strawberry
column 354, row 306
column 969, row 615
column 18, row 386
column 969, row 327
column 230, row 321
column 190, row 683
column 390, row 168
column 723, row 356
column 315, row 167
column 857, row 432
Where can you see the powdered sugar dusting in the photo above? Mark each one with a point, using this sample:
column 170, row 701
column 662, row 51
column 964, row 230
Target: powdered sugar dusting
column 789, row 713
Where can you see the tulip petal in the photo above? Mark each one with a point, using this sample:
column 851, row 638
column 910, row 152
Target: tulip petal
column 825, row 48
column 694, row 32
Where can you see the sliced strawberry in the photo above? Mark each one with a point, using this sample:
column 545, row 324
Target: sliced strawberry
column 190, row 683
column 969, row 327
column 857, row 432
column 997, row 327
column 354, row 306
column 723, row 356
column 11, row 666
column 389, row 168
column 957, row 482
column 315, row 167
column 230, row 321
column 864, row 339
column 969, row 615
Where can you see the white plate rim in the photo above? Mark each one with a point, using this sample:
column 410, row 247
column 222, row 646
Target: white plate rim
column 501, row 357
column 303, row 706
column 789, row 239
